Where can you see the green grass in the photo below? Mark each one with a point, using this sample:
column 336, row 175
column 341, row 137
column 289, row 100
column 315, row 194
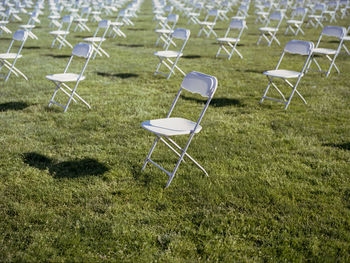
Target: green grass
column 71, row 186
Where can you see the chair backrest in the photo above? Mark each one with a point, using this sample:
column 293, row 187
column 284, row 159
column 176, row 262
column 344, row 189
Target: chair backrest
column 181, row 33
column 196, row 82
column 299, row 12
column 82, row 50
column 237, row 24
column 299, row 47
column 276, row 16
column 172, row 18
column 20, row 35
column 334, row 31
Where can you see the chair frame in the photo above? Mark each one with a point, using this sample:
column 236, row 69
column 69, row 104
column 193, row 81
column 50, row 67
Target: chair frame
column 60, row 85
column 208, row 27
column 97, row 44
column 19, row 35
column 231, row 42
column 298, row 12
column 304, row 48
column 330, row 31
column 68, row 19
column 190, row 79
column 271, row 31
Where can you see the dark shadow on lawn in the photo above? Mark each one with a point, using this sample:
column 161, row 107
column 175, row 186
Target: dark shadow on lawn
column 58, row 56
column 137, row 29
column 118, row 75
column 31, row 47
column 129, row 45
column 67, row 169
column 343, row 146
column 216, row 102
column 191, row 56
column 250, row 71
column 14, row 105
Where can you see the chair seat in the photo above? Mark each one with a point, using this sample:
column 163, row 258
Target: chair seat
column 294, row 21
column 163, row 31
column 227, row 39
column 194, row 14
column 167, row 54
column 54, row 17
column 80, row 20
column 315, row 16
column 347, row 38
column 325, row 51
column 282, row 73
column 94, row 39
column 59, row 32
column 116, row 23
column 268, row 29
column 206, row 23
column 170, row 126
column 27, row 26
column 9, row 56
column 2, row 23
column 64, row 77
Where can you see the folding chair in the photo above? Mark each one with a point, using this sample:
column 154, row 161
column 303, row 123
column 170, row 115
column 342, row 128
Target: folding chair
column 168, row 28
column 207, row 26
column 80, row 50
column 195, row 14
column 20, row 36
column 166, row 55
column 315, row 19
column 82, row 19
column 115, row 27
column 4, row 22
column 271, row 28
column 31, row 24
column 294, row 24
column 231, row 42
column 334, row 32
column 193, row 82
column 264, row 11
column 331, row 12
column 346, row 38
column 60, row 34
column 296, row 47
column 96, row 41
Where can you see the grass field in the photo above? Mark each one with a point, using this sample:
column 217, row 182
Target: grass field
column 71, row 186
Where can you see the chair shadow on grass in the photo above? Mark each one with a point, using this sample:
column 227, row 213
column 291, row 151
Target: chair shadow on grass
column 130, row 45
column 343, row 146
column 66, row 169
column 118, row 75
column 191, row 56
column 216, row 102
column 31, row 47
column 13, row 105
column 58, row 56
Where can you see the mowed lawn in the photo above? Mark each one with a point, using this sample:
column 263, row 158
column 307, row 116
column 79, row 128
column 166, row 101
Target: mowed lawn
column 71, row 186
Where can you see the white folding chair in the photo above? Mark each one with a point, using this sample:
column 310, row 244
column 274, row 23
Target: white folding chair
column 84, row 50
column 193, row 16
column 5, row 58
column 295, row 47
column 207, row 26
column 168, row 28
column 263, row 12
column 4, row 21
column 167, row 56
column 330, row 53
column 331, row 12
column 294, row 24
column 96, row 41
column 346, row 38
column 231, row 41
column 116, row 26
column 82, row 19
column 168, row 127
column 317, row 15
column 61, row 34
column 31, row 24
column 271, row 28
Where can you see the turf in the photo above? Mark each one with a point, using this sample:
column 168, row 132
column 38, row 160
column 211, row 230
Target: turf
column 71, row 186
